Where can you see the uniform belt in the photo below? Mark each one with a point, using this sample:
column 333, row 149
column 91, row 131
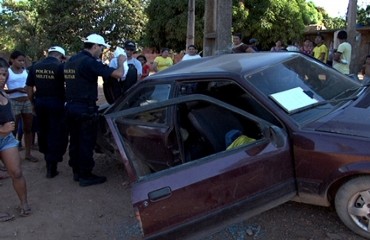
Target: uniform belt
column 50, row 97
column 20, row 99
column 87, row 101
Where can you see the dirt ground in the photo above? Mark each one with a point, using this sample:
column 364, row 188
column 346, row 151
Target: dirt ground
column 64, row 210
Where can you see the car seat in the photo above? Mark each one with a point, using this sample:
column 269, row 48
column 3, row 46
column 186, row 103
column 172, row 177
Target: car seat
column 212, row 123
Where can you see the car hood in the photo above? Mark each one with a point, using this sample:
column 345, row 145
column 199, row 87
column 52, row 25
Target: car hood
column 353, row 120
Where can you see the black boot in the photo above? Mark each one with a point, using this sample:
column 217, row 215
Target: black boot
column 51, row 170
column 91, row 179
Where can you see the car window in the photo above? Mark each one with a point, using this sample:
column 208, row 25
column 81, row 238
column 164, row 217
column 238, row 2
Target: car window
column 323, row 82
column 316, row 80
column 155, row 116
column 143, row 96
column 228, row 91
column 207, row 128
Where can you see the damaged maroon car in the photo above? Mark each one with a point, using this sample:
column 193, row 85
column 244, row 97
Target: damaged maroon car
column 213, row 141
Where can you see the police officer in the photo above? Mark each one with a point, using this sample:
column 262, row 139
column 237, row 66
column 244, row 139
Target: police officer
column 81, row 75
column 45, row 88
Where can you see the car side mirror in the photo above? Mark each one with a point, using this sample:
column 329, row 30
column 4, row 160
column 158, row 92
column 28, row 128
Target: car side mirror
column 277, row 136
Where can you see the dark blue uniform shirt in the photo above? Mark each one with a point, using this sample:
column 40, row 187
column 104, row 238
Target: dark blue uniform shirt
column 48, row 78
column 81, row 74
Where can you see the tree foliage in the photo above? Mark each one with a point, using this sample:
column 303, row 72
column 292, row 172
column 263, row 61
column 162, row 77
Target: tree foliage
column 363, row 16
column 168, row 22
column 329, row 22
column 271, row 20
column 334, row 23
column 310, row 13
column 33, row 25
column 266, row 20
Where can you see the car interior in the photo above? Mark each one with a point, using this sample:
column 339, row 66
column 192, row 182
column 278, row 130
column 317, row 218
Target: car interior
column 211, row 129
column 201, row 128
column 207, row 128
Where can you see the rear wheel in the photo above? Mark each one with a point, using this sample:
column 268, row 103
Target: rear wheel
column 352, row 203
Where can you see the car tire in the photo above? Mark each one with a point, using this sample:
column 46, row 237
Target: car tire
column 352, row 203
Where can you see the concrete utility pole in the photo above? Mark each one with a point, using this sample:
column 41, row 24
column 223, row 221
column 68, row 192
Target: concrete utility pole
column 217, row 27
column 191, row 23
column 354, row 37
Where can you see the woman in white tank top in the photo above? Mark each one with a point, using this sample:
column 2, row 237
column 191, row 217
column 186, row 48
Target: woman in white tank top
column 21, row 105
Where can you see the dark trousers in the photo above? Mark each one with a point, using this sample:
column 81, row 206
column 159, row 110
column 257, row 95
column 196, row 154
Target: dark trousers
column 82, row 121
column 52, row 134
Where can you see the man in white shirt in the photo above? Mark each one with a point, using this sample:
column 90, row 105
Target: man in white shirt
column 114, row 62
column 342, row 57
column 191, row 53
column 130, row 48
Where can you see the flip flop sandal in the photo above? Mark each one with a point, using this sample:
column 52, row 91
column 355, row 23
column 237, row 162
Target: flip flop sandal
column 24, row 212
column 5, row 217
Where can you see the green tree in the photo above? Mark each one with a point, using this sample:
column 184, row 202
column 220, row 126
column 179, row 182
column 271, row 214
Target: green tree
column 33, row 25
column 329, row 22
column 18, row 21
column 240, row 16
column 310, row 13
column 270, row 20
column 168, row 22
column 266, row 20
column 363, row 16
column 334, row 23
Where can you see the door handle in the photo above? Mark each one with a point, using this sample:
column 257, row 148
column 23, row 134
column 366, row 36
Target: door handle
column 160, row 194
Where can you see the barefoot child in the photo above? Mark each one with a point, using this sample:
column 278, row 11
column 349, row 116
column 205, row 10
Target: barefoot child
column 9, row 147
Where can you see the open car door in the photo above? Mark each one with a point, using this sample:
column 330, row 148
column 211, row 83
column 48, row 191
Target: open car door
column 225, row 165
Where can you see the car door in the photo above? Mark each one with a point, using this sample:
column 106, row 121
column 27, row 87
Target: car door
column 210, row 188
column 148, row 133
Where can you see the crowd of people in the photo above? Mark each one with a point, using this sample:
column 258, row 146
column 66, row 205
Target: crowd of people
column 62, row 93
column 339, row 58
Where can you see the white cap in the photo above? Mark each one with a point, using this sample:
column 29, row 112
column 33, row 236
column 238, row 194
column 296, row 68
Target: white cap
column 97, row 39
column 57, row 49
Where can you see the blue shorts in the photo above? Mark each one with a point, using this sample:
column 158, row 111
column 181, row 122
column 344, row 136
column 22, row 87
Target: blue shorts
column 7, row 142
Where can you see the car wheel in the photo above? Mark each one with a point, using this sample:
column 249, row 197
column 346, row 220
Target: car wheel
column 352, row 203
